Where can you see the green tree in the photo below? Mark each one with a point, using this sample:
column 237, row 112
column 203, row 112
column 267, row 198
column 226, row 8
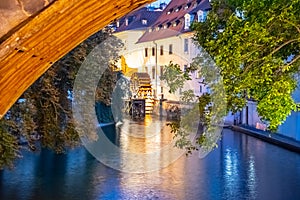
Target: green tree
column 255, row 44
column 207, row 111
column 43, row 115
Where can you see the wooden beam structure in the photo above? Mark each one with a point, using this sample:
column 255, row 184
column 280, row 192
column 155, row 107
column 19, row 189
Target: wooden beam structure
column 43, row 32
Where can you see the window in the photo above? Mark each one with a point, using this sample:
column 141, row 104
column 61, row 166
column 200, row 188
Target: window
column 170, row 49
column 187, row 21
column 185, row 68
column 162, row 90
column 144, row 21
column 186, row 45
column 198, row 74
column 161, row 70
column 153, row 51
column 200, row 89
column 208, row 90
column 202, row 15
column 170, row 11
column 153, row 72
column 161, row 50
column 146, row 52
column 177, row 9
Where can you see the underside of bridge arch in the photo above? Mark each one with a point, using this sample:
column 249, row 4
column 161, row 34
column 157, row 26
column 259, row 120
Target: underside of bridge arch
column 36, row 33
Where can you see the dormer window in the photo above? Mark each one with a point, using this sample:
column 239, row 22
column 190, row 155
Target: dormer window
column 178, row 8
column 176, row 23
column 187, row 21
column 201, row 15
column 144, row 21
column 157, row 28
column 170, row 11
column 165, row 26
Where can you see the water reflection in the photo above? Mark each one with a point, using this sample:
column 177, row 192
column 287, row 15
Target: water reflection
column 145, row 136
column 241, row 168
column 251, row 181
column 140, row 148
column 231, row 173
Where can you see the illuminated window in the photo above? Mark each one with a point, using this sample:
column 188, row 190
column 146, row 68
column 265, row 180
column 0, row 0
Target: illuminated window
column 144, row 22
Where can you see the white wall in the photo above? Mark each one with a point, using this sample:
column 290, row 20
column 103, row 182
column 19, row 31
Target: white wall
column 134, row 54
column 291, row 127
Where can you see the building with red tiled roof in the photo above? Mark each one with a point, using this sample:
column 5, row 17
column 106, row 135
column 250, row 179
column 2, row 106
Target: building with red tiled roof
column 140, row 19
column 150, row 47
column 176, row 19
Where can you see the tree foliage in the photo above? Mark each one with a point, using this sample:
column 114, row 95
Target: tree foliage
column 43, row 115
column 174, row 76
column 206, row 111
column 255, row 44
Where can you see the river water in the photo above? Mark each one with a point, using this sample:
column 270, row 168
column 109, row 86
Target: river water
column 242, row 167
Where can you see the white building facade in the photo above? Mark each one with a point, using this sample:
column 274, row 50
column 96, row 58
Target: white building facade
column 150, row 45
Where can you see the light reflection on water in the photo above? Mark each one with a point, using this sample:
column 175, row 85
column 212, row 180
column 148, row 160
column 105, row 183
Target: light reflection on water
column 145, row 136
column 241, row 167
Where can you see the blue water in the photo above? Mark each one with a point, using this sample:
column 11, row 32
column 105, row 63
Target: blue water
column 242, row 167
